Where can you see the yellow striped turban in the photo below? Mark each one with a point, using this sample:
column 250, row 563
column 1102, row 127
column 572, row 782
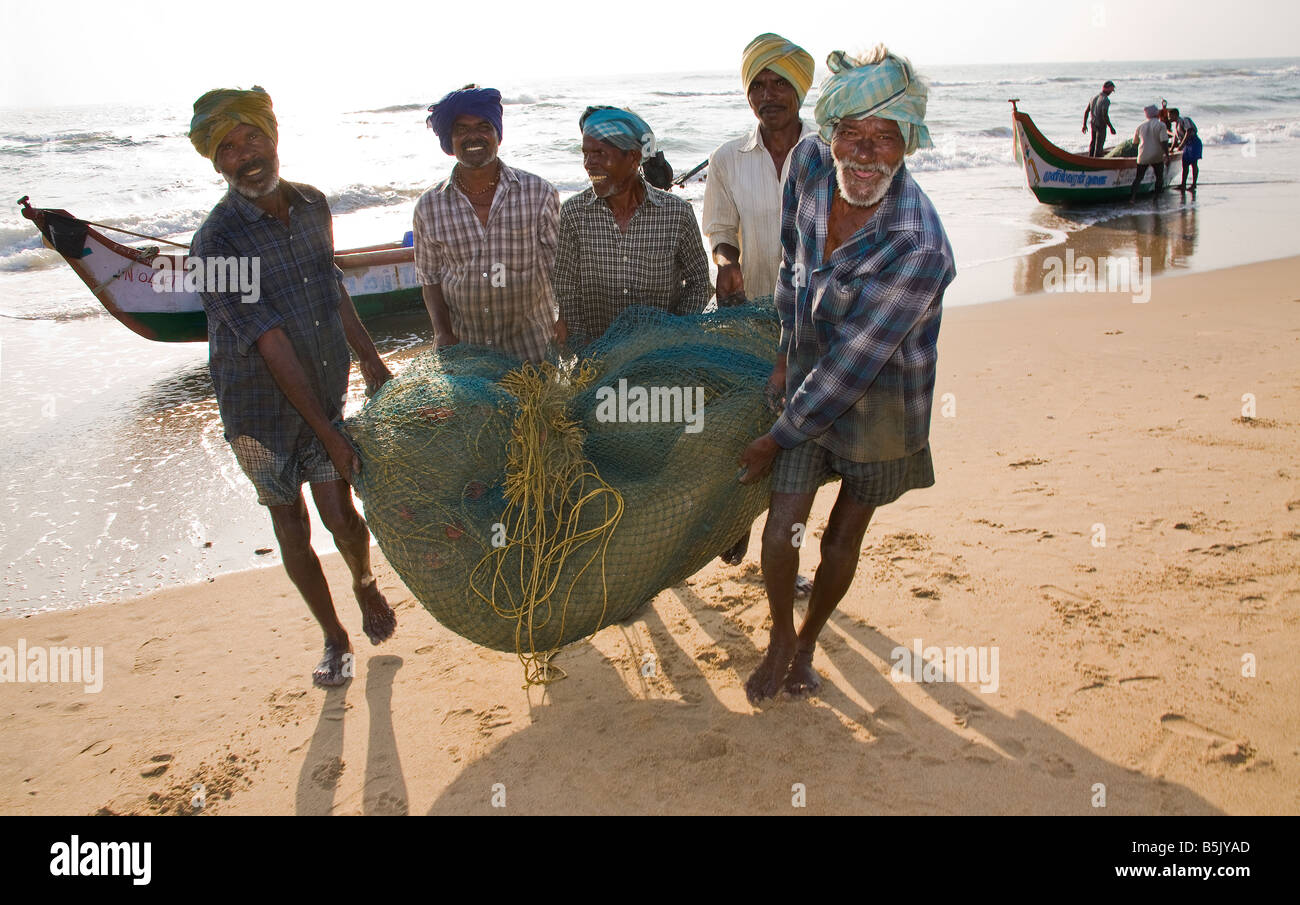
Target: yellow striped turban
column 790, row 61
column 219, row 111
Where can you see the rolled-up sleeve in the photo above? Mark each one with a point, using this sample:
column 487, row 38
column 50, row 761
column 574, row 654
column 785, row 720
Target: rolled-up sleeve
column 721, row 216
column 693, row 264
column 428, row 255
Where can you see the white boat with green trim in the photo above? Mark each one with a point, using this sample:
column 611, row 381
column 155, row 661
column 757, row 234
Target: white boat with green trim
column 380, row 278
column 1059, row 177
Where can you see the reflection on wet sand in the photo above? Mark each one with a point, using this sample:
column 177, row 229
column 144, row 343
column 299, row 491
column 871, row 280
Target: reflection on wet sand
column 1163, row 233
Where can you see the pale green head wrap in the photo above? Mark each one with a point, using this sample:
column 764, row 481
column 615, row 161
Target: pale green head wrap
column 880, row 84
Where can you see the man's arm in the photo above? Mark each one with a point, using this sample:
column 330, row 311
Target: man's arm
column 429, row 271
column 889, row 305
column 548, row 232
column 281, row 359
column 1087, row 114
column 1108, row 125
column 692, row 264
column 439, row 315
column 722, row 226
column 373, row 369
column 567, row 278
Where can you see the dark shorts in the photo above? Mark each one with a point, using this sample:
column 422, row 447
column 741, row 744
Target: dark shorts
column 804, row 468
column 279, row 479
column 1192, row 151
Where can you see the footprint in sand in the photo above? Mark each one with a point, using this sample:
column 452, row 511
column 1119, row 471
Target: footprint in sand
column 147, row 662
column 1220, row 748
column 327, row 773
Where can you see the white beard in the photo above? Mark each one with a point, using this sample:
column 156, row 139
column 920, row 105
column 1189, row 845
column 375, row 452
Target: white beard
column 877, row 193
column 249, row 193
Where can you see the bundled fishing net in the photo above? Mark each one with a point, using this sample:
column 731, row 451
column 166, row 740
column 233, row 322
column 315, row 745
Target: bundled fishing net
column 527, row 507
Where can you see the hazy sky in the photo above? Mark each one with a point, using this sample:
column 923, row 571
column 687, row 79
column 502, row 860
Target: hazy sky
column 93, row 51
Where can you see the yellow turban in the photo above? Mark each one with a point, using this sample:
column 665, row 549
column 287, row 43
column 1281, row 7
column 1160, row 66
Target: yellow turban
column 219, row 111
column 790, row 61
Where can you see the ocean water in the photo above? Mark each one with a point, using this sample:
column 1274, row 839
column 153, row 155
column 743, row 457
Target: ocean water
column 118, row 480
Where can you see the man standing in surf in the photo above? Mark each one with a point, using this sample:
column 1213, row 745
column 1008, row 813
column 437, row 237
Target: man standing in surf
column 865, row 262
column 280, row 365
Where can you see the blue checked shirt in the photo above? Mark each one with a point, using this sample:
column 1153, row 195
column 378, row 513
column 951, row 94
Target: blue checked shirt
column 859, row 329
column 300, row 287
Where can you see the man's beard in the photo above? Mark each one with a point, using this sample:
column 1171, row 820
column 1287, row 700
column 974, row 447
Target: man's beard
column 872, row 199
column 255, row 189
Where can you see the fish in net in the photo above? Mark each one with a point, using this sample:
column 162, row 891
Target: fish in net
column 526, row 507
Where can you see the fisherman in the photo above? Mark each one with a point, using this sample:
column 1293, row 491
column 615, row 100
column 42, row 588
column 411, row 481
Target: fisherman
column 623, row 242
column 742, row 197
column 865, row 262
column 280, row 366
column 485, row 237
column 1097, row 114
column 1152, row 142
column 1188, row 140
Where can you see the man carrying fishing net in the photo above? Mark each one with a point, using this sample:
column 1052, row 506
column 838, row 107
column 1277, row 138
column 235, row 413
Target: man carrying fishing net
column 865, row 262
column 280, row 364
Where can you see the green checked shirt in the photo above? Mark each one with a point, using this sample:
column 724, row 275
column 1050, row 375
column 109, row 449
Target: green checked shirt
column 299, row 292
column 860, row 328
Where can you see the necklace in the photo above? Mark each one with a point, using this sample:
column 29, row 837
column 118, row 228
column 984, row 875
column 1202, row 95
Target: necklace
column 483, row 191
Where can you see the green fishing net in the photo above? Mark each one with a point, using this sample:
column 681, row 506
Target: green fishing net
column 527, row 507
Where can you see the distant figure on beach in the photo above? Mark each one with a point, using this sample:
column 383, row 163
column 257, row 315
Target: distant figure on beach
column 865, row 262
column 623, row 242
column 485, row 237
column 280, row 366
column 1097, row 115
column 1152, row 141
column 742, row 198
column 1188, row 140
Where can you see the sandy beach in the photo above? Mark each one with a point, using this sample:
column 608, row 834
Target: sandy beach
column 1104, row 517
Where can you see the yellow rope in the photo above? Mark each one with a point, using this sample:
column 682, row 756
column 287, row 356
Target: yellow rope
column 548, row 483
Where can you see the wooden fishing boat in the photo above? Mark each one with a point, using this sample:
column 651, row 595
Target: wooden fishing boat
column 1059, row 177
column 139, row 287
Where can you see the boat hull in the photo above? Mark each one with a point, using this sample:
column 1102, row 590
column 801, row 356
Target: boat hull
column 1059, row 177
column 145, row 290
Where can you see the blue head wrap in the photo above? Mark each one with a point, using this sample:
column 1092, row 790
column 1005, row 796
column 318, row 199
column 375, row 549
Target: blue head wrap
column 621, row 128
column 484, row 103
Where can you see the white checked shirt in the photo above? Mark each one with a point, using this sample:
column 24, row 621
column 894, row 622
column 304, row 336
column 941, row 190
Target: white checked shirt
column 496, row 279
column 742, row 206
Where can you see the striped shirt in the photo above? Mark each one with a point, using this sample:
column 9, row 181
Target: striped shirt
column 600, row 270
column 300, row 290
column 742, row 207
column 496, row 279
column 859, row 329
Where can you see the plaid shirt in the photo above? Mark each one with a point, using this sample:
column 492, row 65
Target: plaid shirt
column 600, row 270
column 859, row 330
column 300, row 293
column 496, row 279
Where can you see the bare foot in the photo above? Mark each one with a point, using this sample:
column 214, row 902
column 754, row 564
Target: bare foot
column 803, row 681
column 330, row 671
column 766, row 681
column 378, row 620
column 736, row 555
column 802, row 586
